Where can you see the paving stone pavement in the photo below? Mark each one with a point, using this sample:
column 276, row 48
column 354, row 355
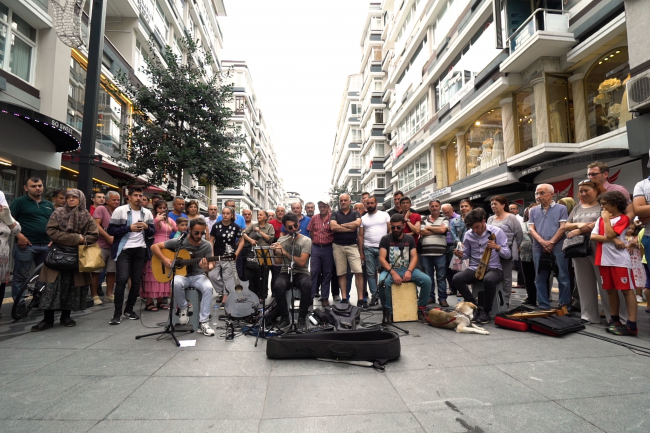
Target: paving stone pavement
column 98, row 378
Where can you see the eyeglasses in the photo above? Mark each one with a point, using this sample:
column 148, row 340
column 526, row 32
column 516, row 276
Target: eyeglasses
column 542, row 193
column 196, row 233
column 594, row 174
column 292, row 227
column 584, row 181
column 396, row 227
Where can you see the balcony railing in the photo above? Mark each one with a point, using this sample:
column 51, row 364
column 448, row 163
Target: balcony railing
column 550, row 20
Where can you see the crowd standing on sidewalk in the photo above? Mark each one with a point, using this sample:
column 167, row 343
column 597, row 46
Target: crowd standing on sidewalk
column 357, row 243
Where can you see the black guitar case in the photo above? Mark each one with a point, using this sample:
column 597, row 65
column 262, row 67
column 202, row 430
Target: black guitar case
column 344, row 317
column 374, row 345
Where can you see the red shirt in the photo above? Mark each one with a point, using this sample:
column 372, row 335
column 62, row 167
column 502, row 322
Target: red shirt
column 277, row 225
column 319, row 228
column 415, row 217
column 92, row 210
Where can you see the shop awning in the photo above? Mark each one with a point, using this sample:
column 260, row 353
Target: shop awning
column 62, row 136
column 571, row 162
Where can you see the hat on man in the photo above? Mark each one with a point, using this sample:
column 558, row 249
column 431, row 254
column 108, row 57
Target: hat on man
column 324, row 203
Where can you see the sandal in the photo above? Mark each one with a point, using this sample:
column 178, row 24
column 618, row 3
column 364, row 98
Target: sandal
column 151, row 307
column 163, row 306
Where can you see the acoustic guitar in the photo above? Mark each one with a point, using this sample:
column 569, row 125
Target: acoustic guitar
column 241, row 302
column 160, row 271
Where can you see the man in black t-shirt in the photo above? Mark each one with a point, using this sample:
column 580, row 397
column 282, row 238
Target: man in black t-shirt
column 398, row 258
column 227, row 238
column 344, row 223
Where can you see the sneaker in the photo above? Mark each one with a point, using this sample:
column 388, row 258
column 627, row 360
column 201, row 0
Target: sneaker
column 183, row 318
column 97, row 301
column 204, row 328
column 444, row 304
column 345, row 301
column 337, row 298
column 639, row 298
column 624, row 330
column 611, row 326
column 482, row 317
column 131, row 315
column 363, row 305
column 374, row 301
column 530, row 302
column 284, row 323
column 116, row 320
column 109, row 298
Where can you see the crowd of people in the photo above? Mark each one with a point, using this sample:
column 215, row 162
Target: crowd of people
column 332, row 249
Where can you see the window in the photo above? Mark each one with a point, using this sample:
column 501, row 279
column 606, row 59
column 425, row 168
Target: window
column 526, row 119
column 17, row 44
column 355, row 83
column 606, row 94
column 141, row 56
column 451, row 160
column 378, row 84
column 414, row 121
column 355, row 135
column 379, row 116
column 355, row 108
column 112, row 112
column 416, row 173
column 484, row 142
column 160, row 22
column 376, row 54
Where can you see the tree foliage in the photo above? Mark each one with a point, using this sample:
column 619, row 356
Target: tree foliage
column 181, row 122
column 336, row 191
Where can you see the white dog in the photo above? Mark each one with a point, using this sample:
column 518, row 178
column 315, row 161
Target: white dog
column 460, row 320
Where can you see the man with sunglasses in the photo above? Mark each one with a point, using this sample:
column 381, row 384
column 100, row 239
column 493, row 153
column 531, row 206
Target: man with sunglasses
column 398, row 258
column 196, row 276
column 598, row 172
column 295, row 245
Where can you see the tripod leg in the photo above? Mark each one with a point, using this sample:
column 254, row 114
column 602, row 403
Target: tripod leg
column 397, row 327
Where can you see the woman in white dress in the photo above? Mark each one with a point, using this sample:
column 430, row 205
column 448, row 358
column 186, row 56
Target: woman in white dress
column 8, row 228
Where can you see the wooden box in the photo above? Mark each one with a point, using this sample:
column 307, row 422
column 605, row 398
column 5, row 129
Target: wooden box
column 405, row 302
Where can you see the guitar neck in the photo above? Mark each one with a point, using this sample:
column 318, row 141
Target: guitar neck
column 209, row 259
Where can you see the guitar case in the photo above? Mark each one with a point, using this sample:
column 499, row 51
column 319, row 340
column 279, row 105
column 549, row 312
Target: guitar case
column 556, row 326
column 344, row 317
column 374, row 345
column 504, row 321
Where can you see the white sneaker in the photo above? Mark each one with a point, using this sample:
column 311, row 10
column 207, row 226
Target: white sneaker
column 97, row 301
column 183, row 318
column 639, row 298
column 204, row 328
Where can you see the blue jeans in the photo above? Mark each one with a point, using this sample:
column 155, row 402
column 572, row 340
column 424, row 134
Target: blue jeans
column 437, row 264
column 23, row 259
column 542, row 277
column 372, row 264
column 421, row 279
column 199, row 282
column 322, row 261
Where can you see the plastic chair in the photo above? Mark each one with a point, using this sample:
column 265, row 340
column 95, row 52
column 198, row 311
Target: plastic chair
column 499, row 303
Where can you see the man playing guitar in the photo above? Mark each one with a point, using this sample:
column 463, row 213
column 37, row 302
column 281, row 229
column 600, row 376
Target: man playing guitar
column 196, row 274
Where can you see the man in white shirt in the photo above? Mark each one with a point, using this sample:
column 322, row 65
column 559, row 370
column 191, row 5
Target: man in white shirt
column 514, row 209
column 375, row 224
column 213, row 213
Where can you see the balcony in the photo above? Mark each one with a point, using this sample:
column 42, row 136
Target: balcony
column 544, row 34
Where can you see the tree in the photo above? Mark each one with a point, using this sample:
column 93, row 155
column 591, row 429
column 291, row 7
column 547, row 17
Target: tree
column 181, row 123
column 336, row 191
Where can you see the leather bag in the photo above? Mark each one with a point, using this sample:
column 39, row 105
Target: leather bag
column 577, row 246
column 62, row 258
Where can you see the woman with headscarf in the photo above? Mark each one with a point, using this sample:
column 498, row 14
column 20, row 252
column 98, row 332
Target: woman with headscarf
column 71, row 225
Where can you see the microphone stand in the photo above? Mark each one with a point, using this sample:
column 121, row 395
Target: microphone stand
column 170, row 328
column 293, row 329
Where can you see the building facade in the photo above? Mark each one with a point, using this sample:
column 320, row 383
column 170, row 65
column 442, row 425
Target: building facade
column 493, row 97
column 42, row 85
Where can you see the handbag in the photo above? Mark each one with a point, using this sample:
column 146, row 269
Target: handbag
column 90, row 258
column 62, row 258
column 577, row 246
column 457, row 264
column 546, row 262
column 250, row 259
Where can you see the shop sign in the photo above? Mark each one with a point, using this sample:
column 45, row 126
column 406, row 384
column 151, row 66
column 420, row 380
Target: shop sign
column 426, row 195
column 440, row 192
column 475, row 196
column 461, row 93
column 533, row 169
column 488, row 164
column 398, row 151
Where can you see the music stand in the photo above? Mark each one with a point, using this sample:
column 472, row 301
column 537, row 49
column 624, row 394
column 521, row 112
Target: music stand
column 265, row 257
column 170, row 328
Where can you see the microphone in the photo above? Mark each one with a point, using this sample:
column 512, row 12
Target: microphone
column 182, row 237
column 293, row 235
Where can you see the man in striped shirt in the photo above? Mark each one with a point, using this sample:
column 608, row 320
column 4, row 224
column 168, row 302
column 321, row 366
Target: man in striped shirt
column 322, row 259
column 434, row 249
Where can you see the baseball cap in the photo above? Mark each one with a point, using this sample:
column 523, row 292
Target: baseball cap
column 323, row 202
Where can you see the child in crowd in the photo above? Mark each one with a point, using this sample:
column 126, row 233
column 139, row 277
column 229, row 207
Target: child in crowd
column 614, row 264
column 181, row 224
column 638, row 271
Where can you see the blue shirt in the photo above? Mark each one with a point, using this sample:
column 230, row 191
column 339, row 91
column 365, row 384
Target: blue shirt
column 457, row 229
column 547, row 224
column 239, row 220
column 474, row 246
column 304, row 222
column 450, row 239
column 173, row 216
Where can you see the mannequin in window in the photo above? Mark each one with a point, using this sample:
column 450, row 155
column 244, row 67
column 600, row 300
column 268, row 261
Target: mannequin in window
column 555, row 122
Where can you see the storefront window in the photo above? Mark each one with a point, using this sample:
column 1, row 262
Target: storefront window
column 484, row 141
column 606, row 95
column 8, row 182
column 110, row 116
column 451, row 162
column 557, row 89
column 527, row 132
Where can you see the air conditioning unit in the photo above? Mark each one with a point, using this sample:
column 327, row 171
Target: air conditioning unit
column 201, row 189
column 638, row 92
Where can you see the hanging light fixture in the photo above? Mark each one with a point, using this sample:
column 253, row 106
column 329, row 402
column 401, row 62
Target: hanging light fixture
column 67, row 22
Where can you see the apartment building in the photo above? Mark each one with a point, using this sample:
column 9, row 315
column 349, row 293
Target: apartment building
column 478, row 106
column 265, row 189
column 42, row 85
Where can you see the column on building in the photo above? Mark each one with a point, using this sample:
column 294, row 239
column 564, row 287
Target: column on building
column 579, row 107
column 541, row 110
column 462, row 155
column 507, row 120
column 439, row 166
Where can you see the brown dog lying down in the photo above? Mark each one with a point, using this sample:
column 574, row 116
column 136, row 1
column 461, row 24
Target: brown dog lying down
column 460, row 320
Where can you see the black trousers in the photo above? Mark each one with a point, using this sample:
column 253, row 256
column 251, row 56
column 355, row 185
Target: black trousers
column 449, row 274
column 301, row 282
column 130, row 264
column 529, row 277
column 492, row 278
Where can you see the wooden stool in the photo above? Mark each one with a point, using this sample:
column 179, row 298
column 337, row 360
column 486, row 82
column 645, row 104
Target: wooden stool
column 405, row 302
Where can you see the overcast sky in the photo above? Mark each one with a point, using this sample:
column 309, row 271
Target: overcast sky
column 299, row 53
